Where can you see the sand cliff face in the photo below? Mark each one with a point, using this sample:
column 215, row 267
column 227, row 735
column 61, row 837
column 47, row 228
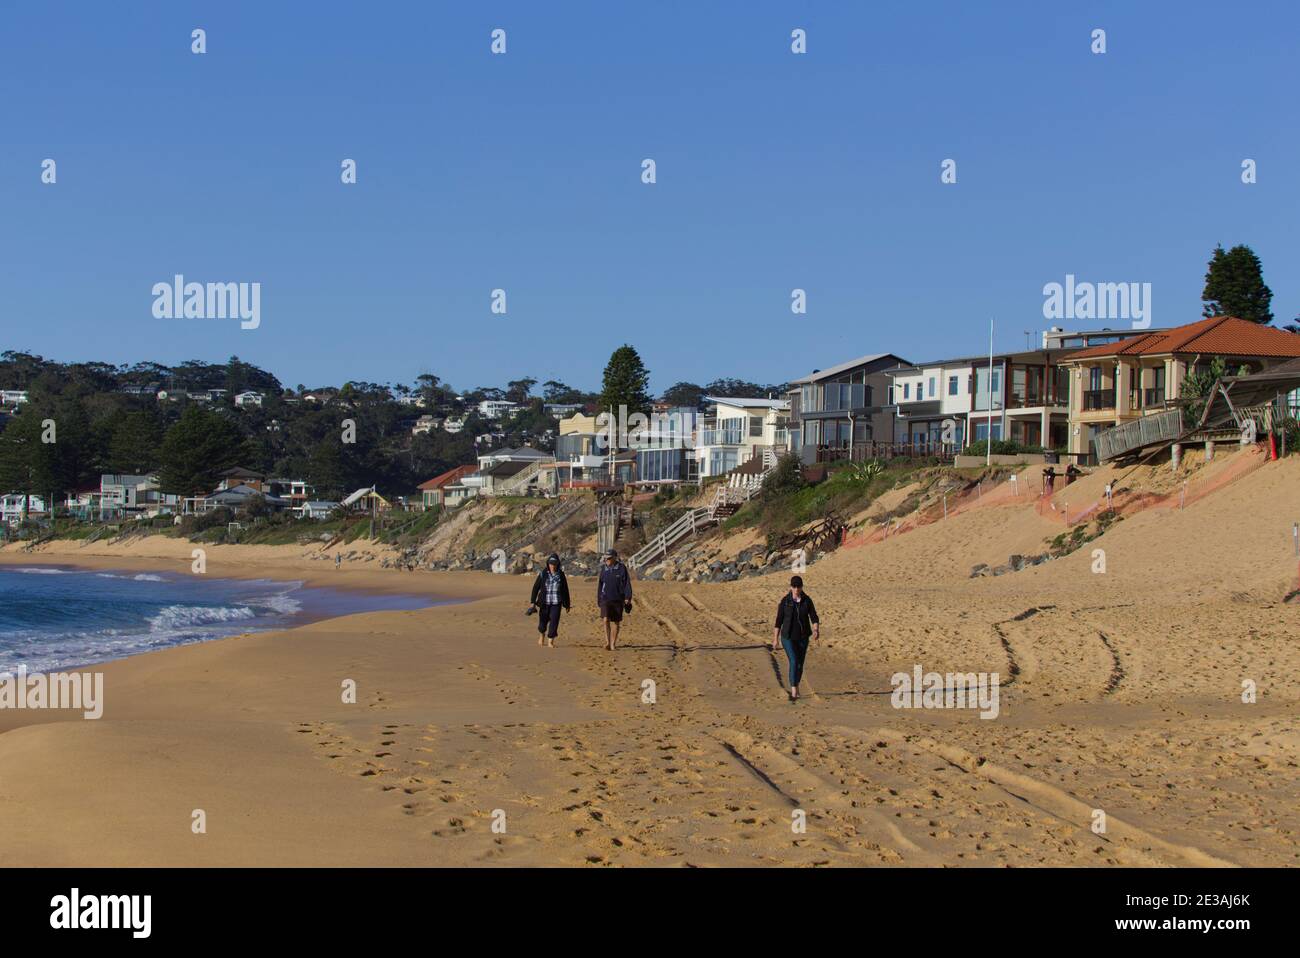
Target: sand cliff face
column 1121, row 703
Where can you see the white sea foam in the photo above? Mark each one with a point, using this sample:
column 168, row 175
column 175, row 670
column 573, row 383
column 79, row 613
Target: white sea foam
column 41, row 570
column 281, row 602
column 173, row 618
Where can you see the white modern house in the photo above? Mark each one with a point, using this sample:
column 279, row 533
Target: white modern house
column 133, row 495
column 928, row 395
column 734, row 430
column 453, row 425
column 496, row 408
column 248, row 399
column 13, row 397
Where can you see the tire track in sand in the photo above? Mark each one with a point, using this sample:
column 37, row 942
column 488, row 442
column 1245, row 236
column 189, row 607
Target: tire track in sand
column 1053, row 801
column 735, row 628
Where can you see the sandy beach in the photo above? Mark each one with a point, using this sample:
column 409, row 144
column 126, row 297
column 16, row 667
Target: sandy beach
column 1121, row 694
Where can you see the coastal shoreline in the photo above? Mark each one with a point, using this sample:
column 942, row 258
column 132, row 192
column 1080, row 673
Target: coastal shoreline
column 1120, row 692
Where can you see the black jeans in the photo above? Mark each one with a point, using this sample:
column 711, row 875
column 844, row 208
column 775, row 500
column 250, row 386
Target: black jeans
column 548, row 620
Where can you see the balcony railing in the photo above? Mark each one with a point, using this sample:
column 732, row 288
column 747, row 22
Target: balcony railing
column 862, row 451
column 1033, row 400
column 1096, row 399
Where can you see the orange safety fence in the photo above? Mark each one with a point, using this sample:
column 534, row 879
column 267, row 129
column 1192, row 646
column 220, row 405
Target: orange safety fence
column 1025, row 490
column 980, row 495
column 1127, row 502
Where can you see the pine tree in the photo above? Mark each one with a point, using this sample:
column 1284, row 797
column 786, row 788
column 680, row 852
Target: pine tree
column 626, row 383
column 1234, row 286
column 196, row 450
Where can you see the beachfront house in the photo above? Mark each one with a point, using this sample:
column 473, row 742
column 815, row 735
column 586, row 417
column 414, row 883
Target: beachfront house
column 248, row 399
column 13, row 397
column 580, row 450
column 296, row 491
column 239, row 476
column 453, row 424
column 17, row 506
column 932, row 403
column 316, row 509
column 134, row 495
column 433, row 493
column 241, row 497
column 734, row 430
column 365, row 500
column 511, row 472
column 82, row 503
column 1023, row 399
column 1143, row 375
column 664, row 448
column 843, row 411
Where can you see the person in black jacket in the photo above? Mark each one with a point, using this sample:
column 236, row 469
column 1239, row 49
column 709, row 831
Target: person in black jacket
column 613, row 596
column 796, row 625
column 550, row 594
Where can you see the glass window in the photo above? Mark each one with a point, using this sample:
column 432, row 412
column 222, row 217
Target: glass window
column 907, row 389
column 952, row 385
column 982, row 387
column 756, row 427
column 930, row 392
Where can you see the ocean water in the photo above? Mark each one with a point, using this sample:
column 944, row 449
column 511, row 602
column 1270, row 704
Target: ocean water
column 55, row 618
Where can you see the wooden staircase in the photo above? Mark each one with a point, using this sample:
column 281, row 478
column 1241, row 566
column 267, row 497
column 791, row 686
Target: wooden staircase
column 520, row 480
column 551, row 518
column 727, row 500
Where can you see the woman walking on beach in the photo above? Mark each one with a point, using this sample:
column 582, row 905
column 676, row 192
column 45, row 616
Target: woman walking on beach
column 796, row 625
column 550, row 594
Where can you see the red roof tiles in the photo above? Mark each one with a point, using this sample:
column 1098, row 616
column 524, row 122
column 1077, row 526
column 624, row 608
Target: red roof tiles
column 1220, row 335
column 448, row 477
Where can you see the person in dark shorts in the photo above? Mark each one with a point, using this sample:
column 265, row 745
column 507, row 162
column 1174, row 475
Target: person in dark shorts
column 550, row 594
column 613, row 596
column 796, row 625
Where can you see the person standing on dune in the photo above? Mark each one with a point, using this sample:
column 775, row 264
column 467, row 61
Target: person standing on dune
column 550, row 594
column 796, row 625
column 613, row 596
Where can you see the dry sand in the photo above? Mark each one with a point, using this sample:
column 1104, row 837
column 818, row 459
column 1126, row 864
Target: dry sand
column 1122, row 693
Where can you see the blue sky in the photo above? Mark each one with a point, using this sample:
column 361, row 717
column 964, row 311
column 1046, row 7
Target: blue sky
column 522, row 172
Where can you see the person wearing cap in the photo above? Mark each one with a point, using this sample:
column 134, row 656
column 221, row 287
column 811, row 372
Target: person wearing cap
column 796, row 625
column 613, row 596
column 550, row 594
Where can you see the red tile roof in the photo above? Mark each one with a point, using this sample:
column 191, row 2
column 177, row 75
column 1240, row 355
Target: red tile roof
column 1220, row 335
column 448, row 477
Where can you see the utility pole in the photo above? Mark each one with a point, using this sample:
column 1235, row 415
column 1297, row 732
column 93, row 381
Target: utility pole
column 988, row 446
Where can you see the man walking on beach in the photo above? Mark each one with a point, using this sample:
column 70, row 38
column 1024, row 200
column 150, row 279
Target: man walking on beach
column 796, row 625
column 550, row 594
column 613, row 596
